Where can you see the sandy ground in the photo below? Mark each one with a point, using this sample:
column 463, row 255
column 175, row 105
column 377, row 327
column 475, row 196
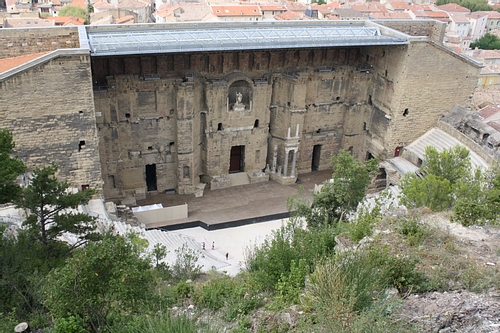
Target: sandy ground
column 234, row 241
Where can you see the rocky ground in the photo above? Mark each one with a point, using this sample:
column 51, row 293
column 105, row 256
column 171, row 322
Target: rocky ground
column 460, row 310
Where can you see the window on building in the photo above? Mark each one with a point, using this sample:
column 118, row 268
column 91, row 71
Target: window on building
column 81, row 145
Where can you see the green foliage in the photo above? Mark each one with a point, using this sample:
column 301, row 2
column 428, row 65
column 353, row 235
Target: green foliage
column 346, row 189
column 73, row 11
column 163, row 322
column 101, row 280
column 486, row 42
column 413, row 229
column 159, row 253
column 344, row 286
column 10, row 168
column 23, row 265
column 452, row 164
column 185, row 266
column 473, row 5
column 183, row 289
column 432, row 192
column 231, row 295
column 445, row 174
column 290, row 286
column 362, row 225
column 478, row 201
column 272, row 259
column 215, row 294
column 71, row 324
column 8, row 321
column 51, row 207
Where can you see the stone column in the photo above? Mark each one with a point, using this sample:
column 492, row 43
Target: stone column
column 285, row 168
column 292, row 174
column 275, row 158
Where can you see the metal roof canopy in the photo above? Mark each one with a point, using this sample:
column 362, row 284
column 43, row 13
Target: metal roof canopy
column 185, row 38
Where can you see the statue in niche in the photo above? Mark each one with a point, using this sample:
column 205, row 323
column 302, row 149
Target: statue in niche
column 238, row 106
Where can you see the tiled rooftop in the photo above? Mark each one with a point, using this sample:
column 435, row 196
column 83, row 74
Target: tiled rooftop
column 237, row 10
column 9, row 63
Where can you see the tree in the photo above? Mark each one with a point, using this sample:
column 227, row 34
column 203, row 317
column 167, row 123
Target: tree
column 22, row 266
column 447, row 174
column 52, row 208
column 473, row 5
column 10, row 168
column 452, row 164
column 106, row 279
column 487, row 42
column 339, row 195
column 73, row 11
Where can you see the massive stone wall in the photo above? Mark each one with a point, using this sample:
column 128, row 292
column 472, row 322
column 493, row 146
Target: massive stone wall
column 170, row 121
column 17, row 42
column 50, row 110
column 181, row 112
column 433, row 81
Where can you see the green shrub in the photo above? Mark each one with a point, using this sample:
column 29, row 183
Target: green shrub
column 469, row 212
column 214, row 294
column 290, row 286
column 71, row 324
column 271, row 260
column 185, row 266
column 237, row 307
column 163, row 322
column 183, row 289
column 400, row 273
column 414, row 230
column 342, row 287
column 362, row 226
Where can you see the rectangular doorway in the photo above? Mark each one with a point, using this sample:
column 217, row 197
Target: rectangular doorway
column 151, row 177
column 316, row 157
column 236, row 159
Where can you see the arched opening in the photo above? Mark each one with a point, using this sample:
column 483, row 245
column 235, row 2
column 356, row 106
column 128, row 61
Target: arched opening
column 256, row 123
column 219, row 127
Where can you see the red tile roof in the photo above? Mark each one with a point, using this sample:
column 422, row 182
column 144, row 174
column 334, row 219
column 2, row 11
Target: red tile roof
column 9, row 63
column 79, row 3
column 241, row 10
column 369, row 7
column 494, row 125
column 289, row 15
column 400, row 5
column 271, row 6
column 453, row 7
column 488, row 111
column 66, row 20
column 393, row 16
column 128, row 19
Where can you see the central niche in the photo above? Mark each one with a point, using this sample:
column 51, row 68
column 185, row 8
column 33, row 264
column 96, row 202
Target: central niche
column 240, row 96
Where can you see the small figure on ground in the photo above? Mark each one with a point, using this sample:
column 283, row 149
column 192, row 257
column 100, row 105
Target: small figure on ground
column 203, row 245
column 227, row 255
column 213, row 245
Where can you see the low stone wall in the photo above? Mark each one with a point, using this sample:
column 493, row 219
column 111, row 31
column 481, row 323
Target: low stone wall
column 162, row 214
column 465, row 140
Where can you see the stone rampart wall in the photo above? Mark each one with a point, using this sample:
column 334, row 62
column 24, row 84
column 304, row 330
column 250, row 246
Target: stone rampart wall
column 49, row 108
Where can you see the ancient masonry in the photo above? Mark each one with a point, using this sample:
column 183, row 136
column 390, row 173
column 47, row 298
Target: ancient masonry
column 145, row 108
